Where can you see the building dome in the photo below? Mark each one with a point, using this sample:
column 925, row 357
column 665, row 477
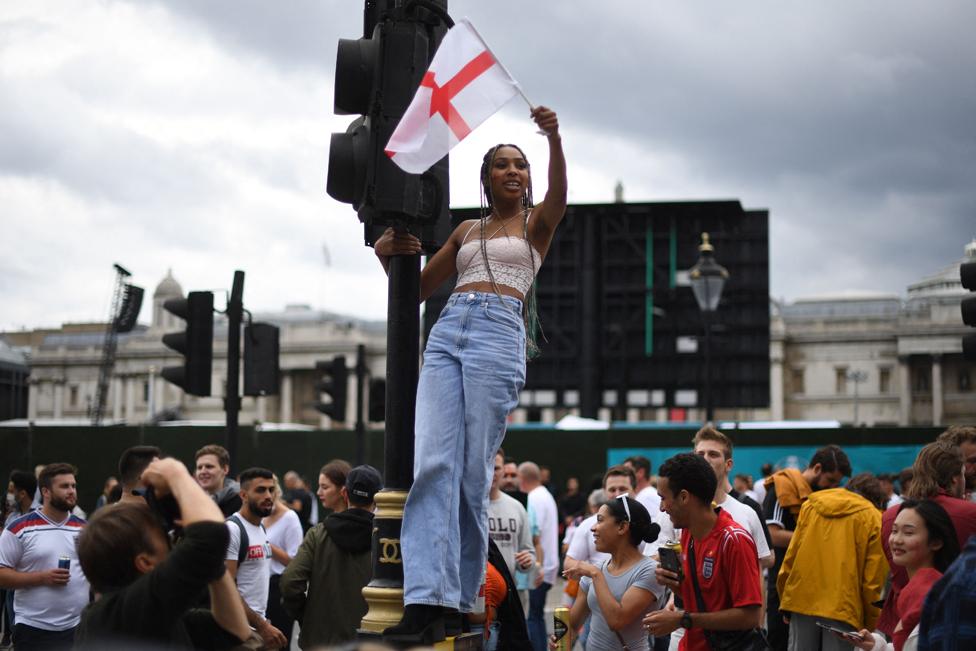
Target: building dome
column 168, row 287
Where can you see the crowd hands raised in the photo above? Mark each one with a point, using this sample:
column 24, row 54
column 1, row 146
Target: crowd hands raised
column 685, row 559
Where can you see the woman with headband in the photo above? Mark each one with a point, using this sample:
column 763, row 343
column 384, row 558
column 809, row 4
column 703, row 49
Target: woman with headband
column 618, row 594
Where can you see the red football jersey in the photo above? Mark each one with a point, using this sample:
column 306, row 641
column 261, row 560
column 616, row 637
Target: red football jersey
column 728, row 574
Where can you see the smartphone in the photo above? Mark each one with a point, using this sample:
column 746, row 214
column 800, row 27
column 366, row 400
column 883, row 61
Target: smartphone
column 670, row 559
column 851, row 635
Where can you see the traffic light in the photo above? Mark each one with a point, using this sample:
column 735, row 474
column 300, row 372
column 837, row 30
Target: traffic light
column 334, row 383
column 195, row 343
column 377, row 400
column 376, row 77
column 967, row 274
column 261, row 371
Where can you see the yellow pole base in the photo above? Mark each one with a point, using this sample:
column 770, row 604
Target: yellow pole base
column 385, row 608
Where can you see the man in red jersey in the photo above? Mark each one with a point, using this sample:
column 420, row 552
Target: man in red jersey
column 721, row 554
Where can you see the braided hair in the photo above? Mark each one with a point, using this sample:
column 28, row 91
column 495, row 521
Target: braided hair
column 530, row 314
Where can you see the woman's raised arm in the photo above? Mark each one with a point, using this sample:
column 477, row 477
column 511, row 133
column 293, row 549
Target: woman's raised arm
column 548, row 214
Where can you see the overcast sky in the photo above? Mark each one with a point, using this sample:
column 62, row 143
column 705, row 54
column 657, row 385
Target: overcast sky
column 194, row 135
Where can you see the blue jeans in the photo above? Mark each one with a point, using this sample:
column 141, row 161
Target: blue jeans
column 474, row 368
column 536, row 621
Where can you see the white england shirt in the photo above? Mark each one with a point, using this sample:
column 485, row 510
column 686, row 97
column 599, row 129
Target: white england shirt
column 33, row 543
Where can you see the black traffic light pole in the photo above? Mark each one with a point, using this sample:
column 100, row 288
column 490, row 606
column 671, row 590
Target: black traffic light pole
column 232, row 398
column 402, row 369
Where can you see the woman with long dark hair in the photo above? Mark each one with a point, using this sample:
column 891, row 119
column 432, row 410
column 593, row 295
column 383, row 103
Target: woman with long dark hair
column 923, row 541
column 623, row 589
column 474, row 368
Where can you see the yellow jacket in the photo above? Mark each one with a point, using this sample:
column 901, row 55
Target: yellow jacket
column 834, row 566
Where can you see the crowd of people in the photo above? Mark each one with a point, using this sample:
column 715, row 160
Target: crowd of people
column 677, row 559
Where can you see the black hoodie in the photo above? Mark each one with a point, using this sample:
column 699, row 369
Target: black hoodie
column 351, row 530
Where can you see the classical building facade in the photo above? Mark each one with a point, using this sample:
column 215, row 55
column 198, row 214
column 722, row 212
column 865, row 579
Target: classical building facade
column 875, row 360
column 65, row 363
column 867, row 360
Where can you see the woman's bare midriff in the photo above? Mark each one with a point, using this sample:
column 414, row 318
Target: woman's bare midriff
column 504, row 290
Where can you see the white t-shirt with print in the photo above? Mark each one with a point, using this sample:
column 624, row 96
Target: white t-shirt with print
column 33, row 543
column 254, row 573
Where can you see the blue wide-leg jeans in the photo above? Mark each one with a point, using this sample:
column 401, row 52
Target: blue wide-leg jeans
column 474, row 368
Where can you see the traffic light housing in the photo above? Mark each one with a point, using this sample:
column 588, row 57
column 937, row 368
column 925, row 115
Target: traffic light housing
column 376, row 411
column 967, row 274
column 376, row 77
column 334, row 383
column 261, row 369
column 195, row 343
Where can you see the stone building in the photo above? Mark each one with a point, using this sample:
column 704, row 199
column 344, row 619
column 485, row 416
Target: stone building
column 878, row 359
column 65, row 366
column 875, row 359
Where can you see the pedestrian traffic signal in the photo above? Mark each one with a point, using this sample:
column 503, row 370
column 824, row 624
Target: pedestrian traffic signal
column 967, row 274
column 195, row 343
column 376, row 77
column 377, row 400
column 261, row 370
column 334, row 383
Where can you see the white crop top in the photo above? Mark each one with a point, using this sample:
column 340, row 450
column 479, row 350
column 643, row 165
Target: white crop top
column 512, row 262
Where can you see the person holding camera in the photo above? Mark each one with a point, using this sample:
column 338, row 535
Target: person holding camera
column 149, row 592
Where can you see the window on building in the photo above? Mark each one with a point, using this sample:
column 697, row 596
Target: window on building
column 884, row 380
column 798, row 383
column 840, row 380
column 73, row 395
column 921, row 380
column 964, row 380
column 145, row 391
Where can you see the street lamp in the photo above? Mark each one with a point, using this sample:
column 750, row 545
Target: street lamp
column 707, row 281
column 856, row 377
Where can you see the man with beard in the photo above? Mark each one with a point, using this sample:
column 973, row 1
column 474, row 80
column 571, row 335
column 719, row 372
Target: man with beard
column 786, row 491
column 248, row 557
column 510, row 482
column 964, row 438
column 49, row 598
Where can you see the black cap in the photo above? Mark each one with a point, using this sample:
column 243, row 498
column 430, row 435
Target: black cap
column 363, row 482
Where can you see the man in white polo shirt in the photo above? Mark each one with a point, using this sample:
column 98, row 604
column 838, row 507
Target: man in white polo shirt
column 49, row 598
column 250, row 564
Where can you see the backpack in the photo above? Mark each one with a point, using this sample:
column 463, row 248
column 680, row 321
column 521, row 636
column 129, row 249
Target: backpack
column 245, row 540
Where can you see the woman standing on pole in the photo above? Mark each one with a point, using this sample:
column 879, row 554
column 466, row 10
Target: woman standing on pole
column 474, row 368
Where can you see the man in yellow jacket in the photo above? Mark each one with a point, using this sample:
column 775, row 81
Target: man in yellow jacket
column 835, row 567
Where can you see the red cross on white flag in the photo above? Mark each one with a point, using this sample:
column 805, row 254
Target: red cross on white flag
column 464, row 86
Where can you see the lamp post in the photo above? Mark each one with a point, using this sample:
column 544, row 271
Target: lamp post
column 856, row 377
column 707, row 281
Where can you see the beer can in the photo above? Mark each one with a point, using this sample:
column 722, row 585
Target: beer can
column 560, row 627
column 64, row 562
column 673, row 544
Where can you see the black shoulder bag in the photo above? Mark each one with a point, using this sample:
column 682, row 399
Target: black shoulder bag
column 750, row 640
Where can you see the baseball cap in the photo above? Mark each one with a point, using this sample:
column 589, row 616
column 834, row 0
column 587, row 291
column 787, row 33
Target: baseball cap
column 364, row 482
